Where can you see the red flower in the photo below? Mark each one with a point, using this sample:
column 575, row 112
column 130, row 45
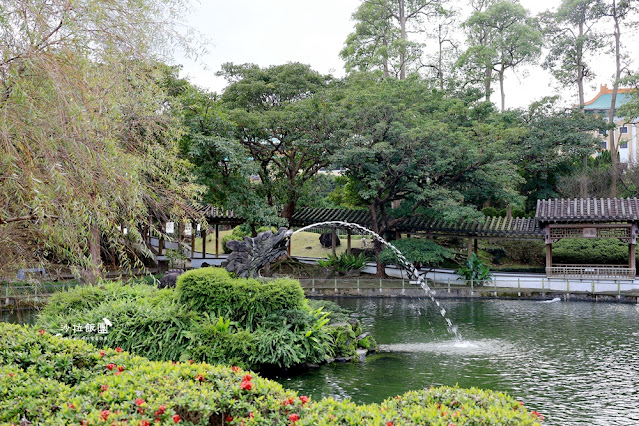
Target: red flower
column 229, row 418
column 121, row 368
column 251, row 415
column 304, row 399
column 117, row 373
column 110, row 366
column 176, row 418
column 41, row 331
column 173, row 362
column 102, row 353
column 293, row 417
column 11, row 374
column 160, row 410
column 191, row 361
column 84, row 423
column 118, row 349
column 538, row 415
column 71, row 406
column 248, row 378
column 144, row 423
column 104, row 387
column 246, row 385
column 390, row 424
column 235, row 368
column 200, row 378
column 139, row 401
column 105, row 414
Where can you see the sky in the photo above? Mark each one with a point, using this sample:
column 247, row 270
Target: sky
column 274, row 32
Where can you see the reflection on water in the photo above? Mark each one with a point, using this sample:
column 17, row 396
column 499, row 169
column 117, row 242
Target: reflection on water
column 575, row 362
column 19, row 316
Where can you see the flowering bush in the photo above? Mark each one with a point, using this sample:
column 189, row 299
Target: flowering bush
column 49, row 380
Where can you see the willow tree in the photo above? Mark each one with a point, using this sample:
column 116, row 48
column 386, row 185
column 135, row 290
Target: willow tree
column 87, row 145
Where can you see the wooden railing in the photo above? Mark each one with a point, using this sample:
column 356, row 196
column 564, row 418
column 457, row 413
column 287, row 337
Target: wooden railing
column 591, row 271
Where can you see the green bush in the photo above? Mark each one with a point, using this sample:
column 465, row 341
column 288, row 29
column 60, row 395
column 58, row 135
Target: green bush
column 475, row 270
column 590, row 251
column 50, row 380
column 244, row 322
column 490, row 211
column 243, row 300
column 344, row 262
column 419, row 251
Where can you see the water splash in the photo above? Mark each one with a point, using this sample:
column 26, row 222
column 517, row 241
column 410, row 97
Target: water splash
column 408, row 266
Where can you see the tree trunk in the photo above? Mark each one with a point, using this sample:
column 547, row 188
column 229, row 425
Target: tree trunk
column 377, row 246
column 489, row 77
column 580, row 69
column 614, row 160
column 288, row 210
column 402, row 54
column 501, row 88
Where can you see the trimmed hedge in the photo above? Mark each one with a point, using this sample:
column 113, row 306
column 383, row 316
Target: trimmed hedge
column 590, row 251
column 51, row 380
column 244, row 300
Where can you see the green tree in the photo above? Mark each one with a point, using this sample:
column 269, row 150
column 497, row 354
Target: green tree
column 419, row 251
column 501, row 37
column 380, row 39
column 86, row 147
column 405, row 143
column 223, row 166
column 553, row 144
column 281, row 118
column 571, row 37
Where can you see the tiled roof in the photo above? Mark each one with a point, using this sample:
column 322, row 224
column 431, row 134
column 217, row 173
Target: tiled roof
column 490, row 226
column 560, row 210
column 221, row 216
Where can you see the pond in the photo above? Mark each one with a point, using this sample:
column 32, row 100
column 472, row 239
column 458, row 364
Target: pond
column 575, row 362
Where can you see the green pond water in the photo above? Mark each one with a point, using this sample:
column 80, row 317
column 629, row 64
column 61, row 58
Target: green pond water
column 575, row 362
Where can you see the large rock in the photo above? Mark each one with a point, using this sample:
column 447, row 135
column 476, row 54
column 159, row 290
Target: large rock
column 170, row 278
column 326, row 240
column 249, row 256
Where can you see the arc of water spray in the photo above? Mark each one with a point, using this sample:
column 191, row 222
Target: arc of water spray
column 411, row 269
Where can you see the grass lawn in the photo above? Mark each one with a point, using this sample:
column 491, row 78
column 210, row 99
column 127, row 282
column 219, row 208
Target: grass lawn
column 303, row 244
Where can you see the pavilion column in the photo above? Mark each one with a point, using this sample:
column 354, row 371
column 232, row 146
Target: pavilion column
column 548, row 250
column 333, row 240
column 348, row 241
column 632, row 249
column 161, row 239
column 470, row 247
column 217, row 240
column 192, row 239
column 204, row 242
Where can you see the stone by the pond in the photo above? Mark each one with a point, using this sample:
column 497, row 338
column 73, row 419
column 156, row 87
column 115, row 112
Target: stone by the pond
column 361, row 354
column 326, row 240
column 343, row 359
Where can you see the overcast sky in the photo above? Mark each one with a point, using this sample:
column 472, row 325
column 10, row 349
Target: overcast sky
column 273, row 32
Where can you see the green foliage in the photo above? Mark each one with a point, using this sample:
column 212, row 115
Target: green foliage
column 475, row 270
column 590, row 251
column 344, row 262
column 49, row 380
column 249, row 323
column 419, row 251
column 345, row 339
column 490, row 211
column 245, row 301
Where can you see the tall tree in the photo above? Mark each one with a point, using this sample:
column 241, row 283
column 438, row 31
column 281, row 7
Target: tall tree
column 404, row 142
column 501, row 37
column 86, row 147
column 441, row 63
column 279, row 115
column 572, row 38
column 380, row 39
column 619, row 12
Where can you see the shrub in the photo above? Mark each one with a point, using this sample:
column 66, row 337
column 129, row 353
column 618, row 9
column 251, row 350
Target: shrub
column 527, row 252
column 251, row 323
column 49, row 380
column 490, row 211
column 419, row 251
column 590, row 251
column 344, row 262
column 475, row 270
column 243, row 300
